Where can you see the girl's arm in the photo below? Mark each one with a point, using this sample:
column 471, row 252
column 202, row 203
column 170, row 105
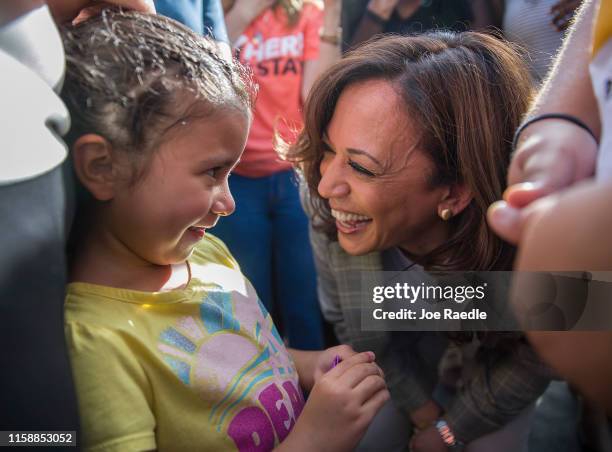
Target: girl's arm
column 329, row 53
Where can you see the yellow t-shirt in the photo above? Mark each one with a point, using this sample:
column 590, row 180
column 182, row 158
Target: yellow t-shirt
column 601, row 77
column 201, row 368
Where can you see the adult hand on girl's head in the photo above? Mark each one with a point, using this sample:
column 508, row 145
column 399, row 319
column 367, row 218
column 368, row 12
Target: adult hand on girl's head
column 78, row 10
column 340, row 406
column 552, row 154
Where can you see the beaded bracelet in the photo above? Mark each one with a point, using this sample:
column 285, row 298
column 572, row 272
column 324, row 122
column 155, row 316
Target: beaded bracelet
column 564, row 116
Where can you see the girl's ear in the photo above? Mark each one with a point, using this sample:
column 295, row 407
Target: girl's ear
column 92, row 156
column 455, row 200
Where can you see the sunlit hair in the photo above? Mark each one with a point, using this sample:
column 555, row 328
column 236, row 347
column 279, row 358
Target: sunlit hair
column 466, row 94
column 131, row 76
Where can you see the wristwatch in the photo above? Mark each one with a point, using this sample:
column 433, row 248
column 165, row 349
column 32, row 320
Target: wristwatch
column 448, row 436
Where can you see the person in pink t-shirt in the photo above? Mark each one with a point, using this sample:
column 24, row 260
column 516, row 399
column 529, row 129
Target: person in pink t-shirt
column 286, row 44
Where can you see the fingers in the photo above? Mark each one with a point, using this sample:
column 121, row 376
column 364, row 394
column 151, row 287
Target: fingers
column 368, row 387
column 519, row 195
column 344, row 366
column 344, row 352
column 93, row 8
column 358, row 373
column 506, row 221
column 509, row 222
column 375, row 403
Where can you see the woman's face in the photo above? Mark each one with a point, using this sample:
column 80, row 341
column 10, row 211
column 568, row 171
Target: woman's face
column 376, row 179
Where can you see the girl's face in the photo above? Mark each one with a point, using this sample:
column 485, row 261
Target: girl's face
column 375, row 178
column 183, row 191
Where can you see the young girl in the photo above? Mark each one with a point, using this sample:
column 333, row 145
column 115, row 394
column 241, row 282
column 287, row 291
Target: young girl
column 170, row 347
column 281, row 42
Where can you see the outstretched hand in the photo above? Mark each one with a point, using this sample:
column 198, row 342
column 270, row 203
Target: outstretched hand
column 552, row 156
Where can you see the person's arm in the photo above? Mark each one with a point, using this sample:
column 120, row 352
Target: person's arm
column 495, row 395
column 583, row 210
column 214, row 26
column 242, row 13
column 329, row 52
column 567, row 88
column 213, row 21
column 553, row 154
column 404, row 383
column 373, row 20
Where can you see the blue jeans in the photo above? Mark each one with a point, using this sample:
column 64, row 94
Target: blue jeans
column 268, row 236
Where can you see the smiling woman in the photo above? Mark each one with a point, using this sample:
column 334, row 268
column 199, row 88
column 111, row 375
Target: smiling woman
column 406, row 142
column 428, row 119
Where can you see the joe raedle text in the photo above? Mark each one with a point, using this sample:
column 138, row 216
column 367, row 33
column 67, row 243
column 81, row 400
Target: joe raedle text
column 425, row 306
column 426, row 314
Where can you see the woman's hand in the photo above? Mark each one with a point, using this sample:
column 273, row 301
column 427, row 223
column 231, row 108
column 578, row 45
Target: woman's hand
column 340, row 406
column 425, row 415
column 427, row 440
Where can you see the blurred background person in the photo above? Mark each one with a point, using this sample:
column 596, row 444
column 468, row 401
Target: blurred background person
column 538, row 26
column 287, row 44
column 363, row 19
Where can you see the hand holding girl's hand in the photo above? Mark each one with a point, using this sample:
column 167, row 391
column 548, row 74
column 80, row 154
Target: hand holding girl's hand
column 340, row 406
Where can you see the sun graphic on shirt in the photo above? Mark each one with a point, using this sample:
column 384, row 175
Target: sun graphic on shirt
column 223, row 358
